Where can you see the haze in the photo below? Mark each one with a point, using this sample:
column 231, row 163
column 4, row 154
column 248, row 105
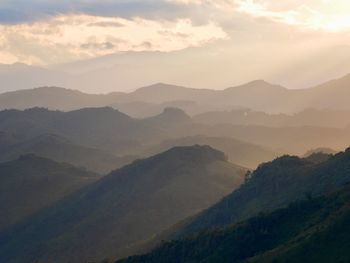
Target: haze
column 174, row 131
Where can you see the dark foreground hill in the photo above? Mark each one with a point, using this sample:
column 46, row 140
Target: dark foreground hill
column 274, row 185
column 32, row 183
column 115, row 216
column 314, row 231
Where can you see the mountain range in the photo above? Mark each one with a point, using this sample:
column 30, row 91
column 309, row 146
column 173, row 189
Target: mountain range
column 303, row 232
column 256, row 95
column 276, row 184
column 60, row 149
column 308, row 117
column 289, row 210
column 117, row 214
column 112, row 131
column 166, row 173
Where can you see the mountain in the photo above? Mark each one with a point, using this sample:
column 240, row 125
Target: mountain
column 307, row 117
column 141, row 109
column 337, row 89
column 239, row 152
column 255, row 95
column 292, row 140
column 31, row 183
column 319, row 150
column 61, row 150
column 54, row 98
column 170, row 117
column 162, row 92
column 315, row 230
column 118, row 214
column 20, row 76
column 274, row 185
column 110, row 130
column 103, row 128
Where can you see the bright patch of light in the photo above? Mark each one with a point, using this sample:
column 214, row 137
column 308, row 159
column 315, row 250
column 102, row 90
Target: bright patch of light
column 70, row 37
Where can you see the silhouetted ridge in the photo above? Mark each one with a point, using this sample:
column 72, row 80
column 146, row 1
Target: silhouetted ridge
column 200, row 153
column 124, row 210
column 274, row 185
column 282, row 162
column 177, row 157
column 258, row 85
column 170, row 116
column 313, row 230
column 105, row 112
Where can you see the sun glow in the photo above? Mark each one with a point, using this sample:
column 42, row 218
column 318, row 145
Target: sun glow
column 317, row 15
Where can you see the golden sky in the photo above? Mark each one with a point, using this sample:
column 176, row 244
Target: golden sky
column 44, row 32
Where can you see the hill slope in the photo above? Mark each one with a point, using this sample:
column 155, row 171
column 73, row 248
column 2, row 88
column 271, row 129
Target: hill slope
column 54, row 98
column 120, row 212
column 239, row 152
column 115, row 132
column 32, row 183
column 274, row 185
column 103, row 128
column 314, row 231
column 307, row 117
column 61, row 150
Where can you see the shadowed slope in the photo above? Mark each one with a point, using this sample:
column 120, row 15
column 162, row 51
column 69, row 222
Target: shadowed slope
column 32, row 183
column 116, row 215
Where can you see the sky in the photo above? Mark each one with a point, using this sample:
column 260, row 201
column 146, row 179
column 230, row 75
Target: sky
column 234, row 40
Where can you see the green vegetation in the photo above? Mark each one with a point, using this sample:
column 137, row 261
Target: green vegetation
column 316, row 230
column 275, row 185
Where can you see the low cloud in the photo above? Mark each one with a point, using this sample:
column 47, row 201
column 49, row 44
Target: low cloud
column 71, row 37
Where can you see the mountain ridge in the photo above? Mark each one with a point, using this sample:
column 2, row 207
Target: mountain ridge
column 134, row 203
column 255, row 95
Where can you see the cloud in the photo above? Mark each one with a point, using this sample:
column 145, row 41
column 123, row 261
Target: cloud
column 20, row 11
column 323, row 15
column 315, row 14
column 70, row 37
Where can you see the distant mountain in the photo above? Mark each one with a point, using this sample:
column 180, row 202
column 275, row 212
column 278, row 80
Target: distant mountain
column 61, row 150
column 103, row 128
column 330, row 95
column 307, row 117
column 239, row 152
column 315, row 231
column 117, row 133
column 54, row 98
column 118, row 214
column 20, row 76
column 140, row 109
column 257, row 95
column 170, row 117
column 162, row 92
column 274, row 185
column 292, row 140
column 31, row 183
